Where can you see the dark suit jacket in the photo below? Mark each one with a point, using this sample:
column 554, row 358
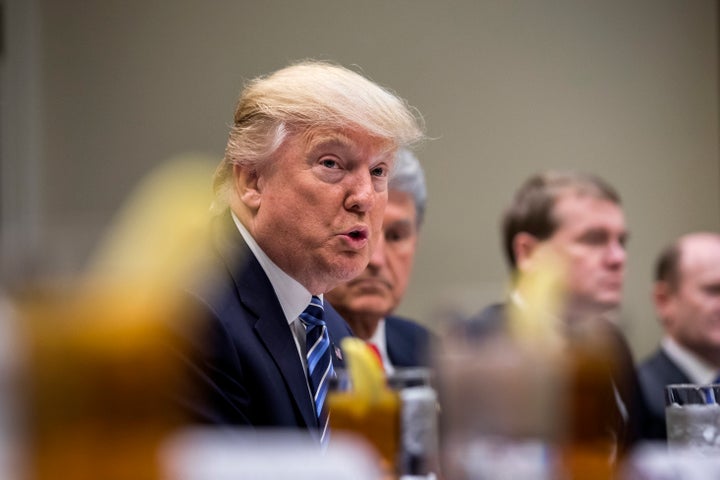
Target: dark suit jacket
column 493, row 320
column 655, row 373
column 244, row 367
column 408, row 343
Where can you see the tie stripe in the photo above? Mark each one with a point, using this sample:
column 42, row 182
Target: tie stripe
column 319, row 361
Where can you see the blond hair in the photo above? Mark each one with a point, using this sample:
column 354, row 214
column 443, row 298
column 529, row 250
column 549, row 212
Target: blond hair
column 304, row 96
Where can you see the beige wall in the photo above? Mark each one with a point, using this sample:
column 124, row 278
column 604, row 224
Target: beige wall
column 626, row 89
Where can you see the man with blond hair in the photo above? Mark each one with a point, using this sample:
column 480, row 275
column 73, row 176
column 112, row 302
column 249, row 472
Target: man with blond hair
column 300, row 196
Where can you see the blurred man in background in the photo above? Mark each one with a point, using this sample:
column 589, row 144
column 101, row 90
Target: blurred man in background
column 686, row 295
column 578, row 219
column 579, row 216
column 368, row 301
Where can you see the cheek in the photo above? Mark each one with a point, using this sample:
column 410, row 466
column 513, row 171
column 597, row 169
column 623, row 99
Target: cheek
column 688, row 316
column 376, row 219
column 377, row 211
column 401, row 265
column 579, row 272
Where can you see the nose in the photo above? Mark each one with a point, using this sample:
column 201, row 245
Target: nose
column 361, row 194
column 616, row 254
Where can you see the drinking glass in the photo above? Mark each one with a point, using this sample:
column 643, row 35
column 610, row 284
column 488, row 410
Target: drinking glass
column 374, row 417
column 693, row 417
column 399, row 421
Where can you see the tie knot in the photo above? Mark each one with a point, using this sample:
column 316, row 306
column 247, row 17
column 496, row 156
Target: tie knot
column 313, row 314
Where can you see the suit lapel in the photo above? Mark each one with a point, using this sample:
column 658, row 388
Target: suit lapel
column 337, row 330
column 257, row 295
column 274, row 332
column 396, row 355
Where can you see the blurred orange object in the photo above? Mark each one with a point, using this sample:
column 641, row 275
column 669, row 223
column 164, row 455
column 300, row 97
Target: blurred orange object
column 99, row 378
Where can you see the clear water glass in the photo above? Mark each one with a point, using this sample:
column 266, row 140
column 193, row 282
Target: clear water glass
column 692, row 413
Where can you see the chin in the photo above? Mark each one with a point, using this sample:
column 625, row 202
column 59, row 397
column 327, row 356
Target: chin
column 346, row 273
column 371, row 304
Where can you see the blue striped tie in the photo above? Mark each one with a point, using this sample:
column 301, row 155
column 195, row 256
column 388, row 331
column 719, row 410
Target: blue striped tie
column 319, row 362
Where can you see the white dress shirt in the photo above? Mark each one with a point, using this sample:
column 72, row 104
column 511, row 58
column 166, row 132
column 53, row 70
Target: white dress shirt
column 293, row 297
column 380, row 341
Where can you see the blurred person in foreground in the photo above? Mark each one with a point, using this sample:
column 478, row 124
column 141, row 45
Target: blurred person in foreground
column 686, row 295
column 367, row 301
column 577, row 217
column 300, row 193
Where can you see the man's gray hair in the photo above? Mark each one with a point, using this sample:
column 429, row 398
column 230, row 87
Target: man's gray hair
column 408, row 176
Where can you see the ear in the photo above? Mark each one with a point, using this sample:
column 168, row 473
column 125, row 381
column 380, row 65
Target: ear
column 524, row 246
column 248, row 185
column 663, row 301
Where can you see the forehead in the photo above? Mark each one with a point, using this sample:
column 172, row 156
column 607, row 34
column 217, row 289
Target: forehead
column 701, row 256
column 349, row 141
column 400, row 204
column 578, row 211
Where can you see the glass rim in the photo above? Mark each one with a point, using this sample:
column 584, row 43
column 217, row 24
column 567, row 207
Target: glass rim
column 692, row 385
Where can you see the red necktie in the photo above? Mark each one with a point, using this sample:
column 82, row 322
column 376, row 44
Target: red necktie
column 376, row 351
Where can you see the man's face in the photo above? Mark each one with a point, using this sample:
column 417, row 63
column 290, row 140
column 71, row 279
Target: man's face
column 378, row 290
column 590, row 237
column 320, row 206
column 691, row 311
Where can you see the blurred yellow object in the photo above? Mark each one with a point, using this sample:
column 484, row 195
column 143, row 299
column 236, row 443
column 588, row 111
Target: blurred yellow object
column 542, row 292
column 364, row 405
column 158, row 237
column 366, row 374
column 99, row 381
column 101, row 370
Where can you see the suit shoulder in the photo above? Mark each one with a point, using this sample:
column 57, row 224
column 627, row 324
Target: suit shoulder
column 489, row 320
column 407, row 326
column 657, row 367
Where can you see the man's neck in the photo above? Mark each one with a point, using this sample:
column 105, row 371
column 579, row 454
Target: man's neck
column 363, row 326
column 579, row 311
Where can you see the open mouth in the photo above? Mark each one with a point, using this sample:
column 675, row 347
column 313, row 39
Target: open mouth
column 357, row 238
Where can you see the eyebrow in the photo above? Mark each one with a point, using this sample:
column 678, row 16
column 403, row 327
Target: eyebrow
column 315, row 140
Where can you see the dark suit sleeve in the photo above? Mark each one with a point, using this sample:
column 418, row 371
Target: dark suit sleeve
column 213, row 390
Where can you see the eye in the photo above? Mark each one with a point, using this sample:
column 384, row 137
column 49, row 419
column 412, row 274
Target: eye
column 595, row 237
column 379, row 172
column 398, row 233
column 329, row 163
column 623, row 240
column 712, row 290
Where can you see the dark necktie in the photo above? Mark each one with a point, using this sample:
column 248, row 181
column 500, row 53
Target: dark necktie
column 319, row 362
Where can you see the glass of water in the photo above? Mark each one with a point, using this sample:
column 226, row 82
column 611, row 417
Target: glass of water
column 693, row 417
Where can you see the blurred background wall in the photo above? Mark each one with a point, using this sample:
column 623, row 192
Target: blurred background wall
column 95, row 94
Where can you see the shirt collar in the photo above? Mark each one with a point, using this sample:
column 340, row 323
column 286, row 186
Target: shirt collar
column 697, row 369
column 293, row 297
column 380, row 341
